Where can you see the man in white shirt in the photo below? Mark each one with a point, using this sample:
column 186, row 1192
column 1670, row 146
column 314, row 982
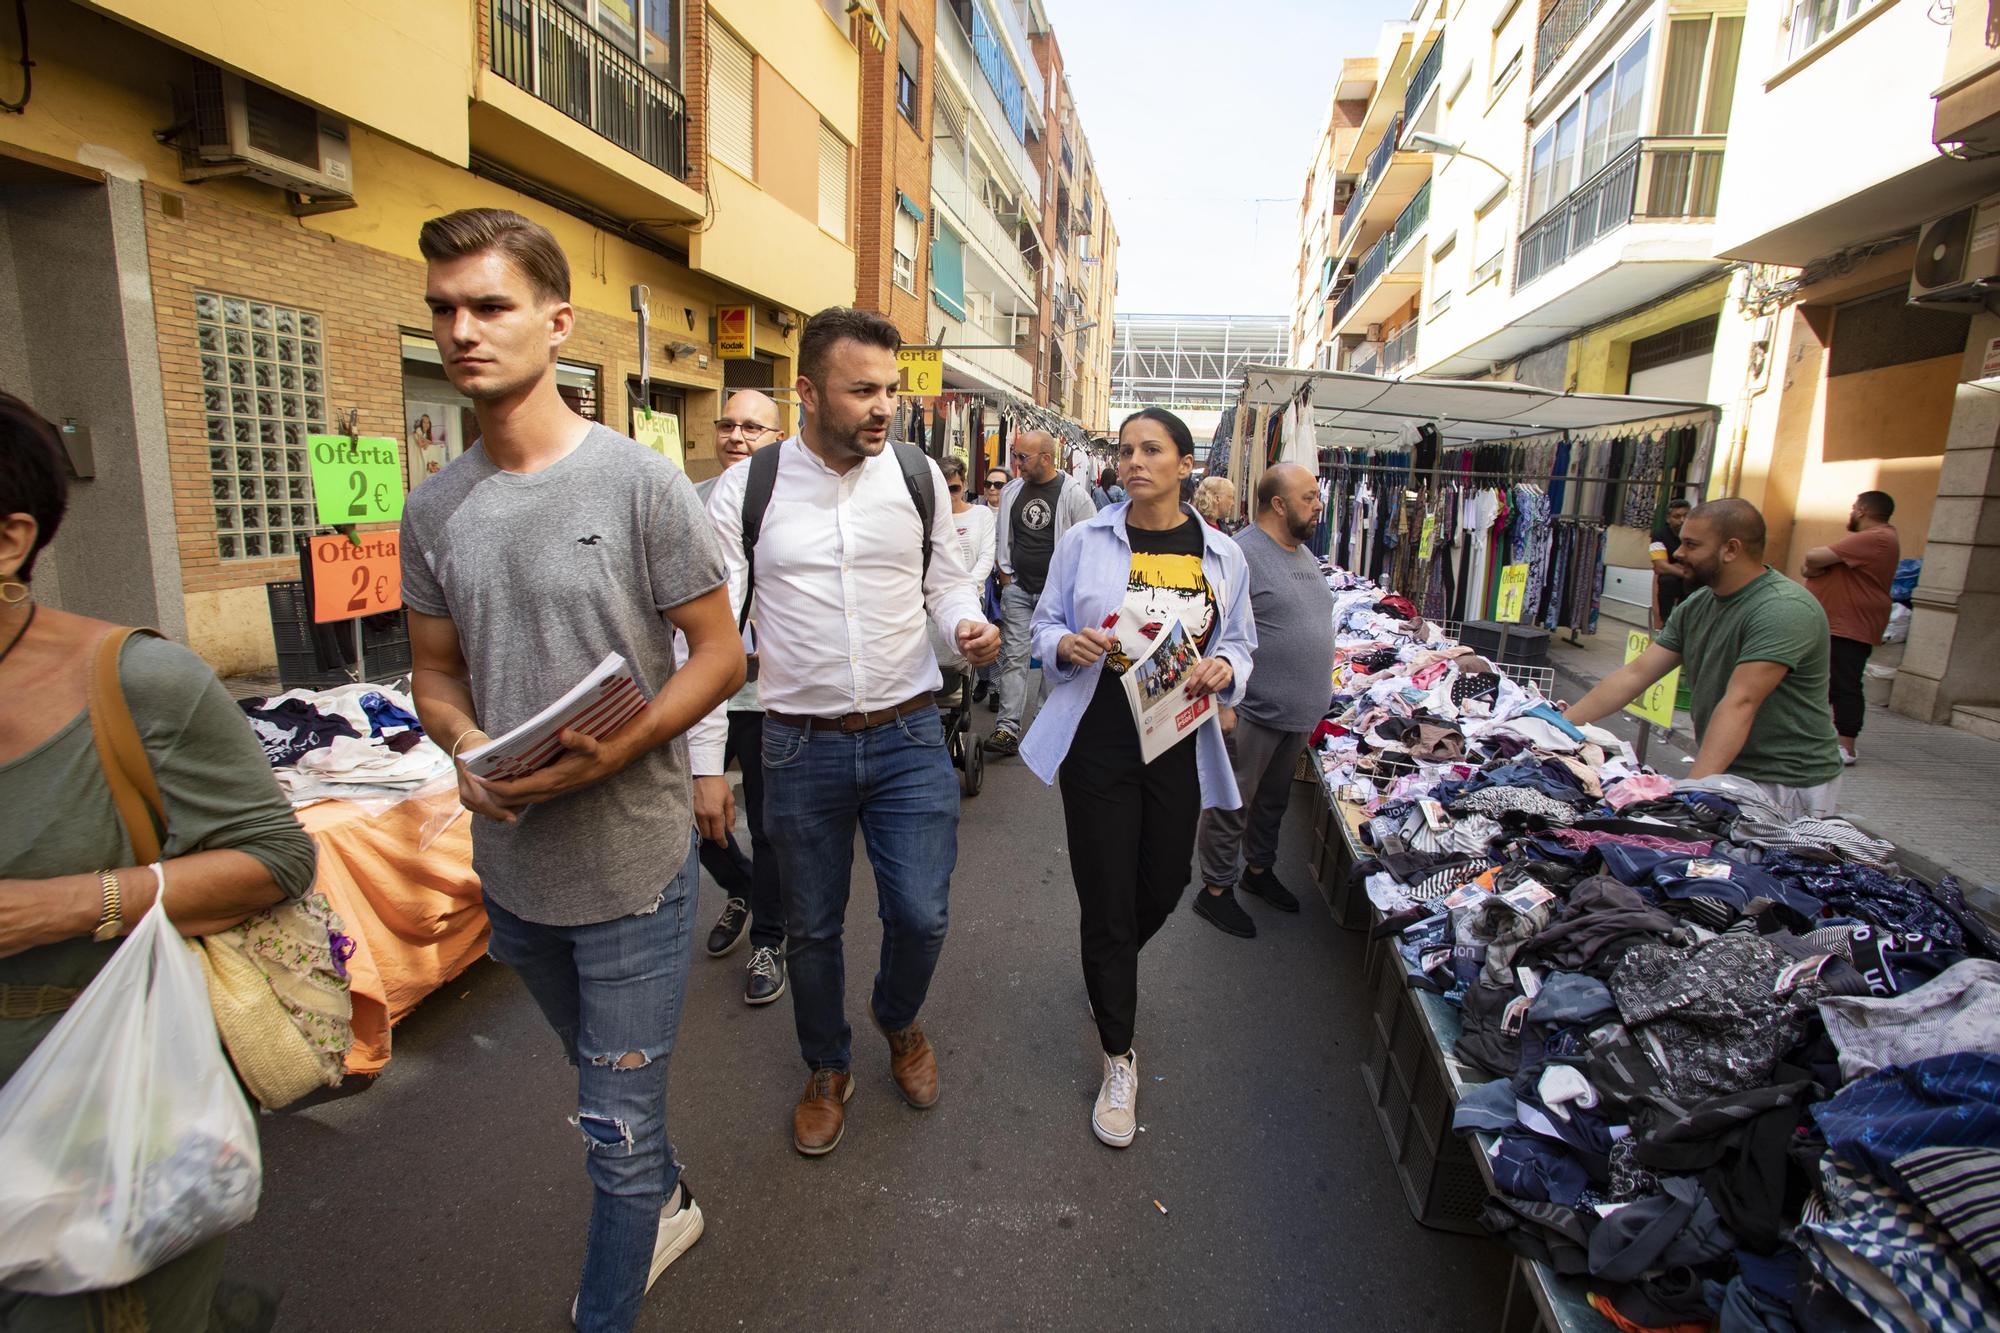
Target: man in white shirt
column 753, row 904
column 845, row 572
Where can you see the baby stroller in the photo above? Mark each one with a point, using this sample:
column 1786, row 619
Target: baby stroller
column 966, row 746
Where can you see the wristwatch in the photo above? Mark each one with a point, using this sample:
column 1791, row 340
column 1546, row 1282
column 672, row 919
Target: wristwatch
column 112, row 923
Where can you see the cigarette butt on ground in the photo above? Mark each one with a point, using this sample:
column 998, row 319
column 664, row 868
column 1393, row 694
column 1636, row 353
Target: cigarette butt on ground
column 1162, row 1207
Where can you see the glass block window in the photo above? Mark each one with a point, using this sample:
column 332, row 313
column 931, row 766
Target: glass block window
column 263, row 384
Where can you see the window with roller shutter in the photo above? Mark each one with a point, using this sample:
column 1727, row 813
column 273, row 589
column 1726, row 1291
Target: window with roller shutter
column 732, row 101
column 832, row 182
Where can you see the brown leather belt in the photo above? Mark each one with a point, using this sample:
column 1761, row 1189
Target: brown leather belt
column 852, row 722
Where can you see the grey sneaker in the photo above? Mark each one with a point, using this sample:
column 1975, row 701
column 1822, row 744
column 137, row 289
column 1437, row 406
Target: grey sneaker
column 1115, row 1118
column 764, row 979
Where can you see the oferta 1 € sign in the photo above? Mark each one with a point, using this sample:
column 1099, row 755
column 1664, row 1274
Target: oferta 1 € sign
column 356, row 479
column 920, row 372
column 1656, row 702
column 1513, row 593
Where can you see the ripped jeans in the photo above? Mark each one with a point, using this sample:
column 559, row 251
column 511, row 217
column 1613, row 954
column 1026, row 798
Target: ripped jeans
column 613, row 991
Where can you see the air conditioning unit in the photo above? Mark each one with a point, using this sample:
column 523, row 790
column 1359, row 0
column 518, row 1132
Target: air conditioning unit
column 240, row 128
column 1958, row 257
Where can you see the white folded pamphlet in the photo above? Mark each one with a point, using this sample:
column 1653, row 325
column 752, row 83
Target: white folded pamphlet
column 601, row 703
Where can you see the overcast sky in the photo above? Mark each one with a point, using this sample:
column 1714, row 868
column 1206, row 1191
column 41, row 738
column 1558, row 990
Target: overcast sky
column 1202, row 118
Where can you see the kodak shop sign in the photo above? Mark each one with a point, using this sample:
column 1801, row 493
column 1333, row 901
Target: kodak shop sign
column 735, row 332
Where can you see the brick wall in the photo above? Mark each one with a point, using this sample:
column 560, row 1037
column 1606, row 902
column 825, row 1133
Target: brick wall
column 894, row 156
column 366, row 299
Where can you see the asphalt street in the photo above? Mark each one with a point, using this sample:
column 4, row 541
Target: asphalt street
column 449, row 1192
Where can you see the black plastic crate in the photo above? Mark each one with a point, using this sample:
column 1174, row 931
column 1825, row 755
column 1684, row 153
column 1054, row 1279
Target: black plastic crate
column 385, row 642
column 1404, row 1070
column 1527, row 645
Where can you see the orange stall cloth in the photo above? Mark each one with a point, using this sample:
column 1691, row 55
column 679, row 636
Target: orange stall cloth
column 414, row 912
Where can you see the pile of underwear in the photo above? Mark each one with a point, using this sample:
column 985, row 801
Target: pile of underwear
column 356, row 742
column 1743, row 1071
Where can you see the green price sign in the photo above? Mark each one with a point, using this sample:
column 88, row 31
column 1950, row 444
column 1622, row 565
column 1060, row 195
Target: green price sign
column 357, row 480
column 1656, row 704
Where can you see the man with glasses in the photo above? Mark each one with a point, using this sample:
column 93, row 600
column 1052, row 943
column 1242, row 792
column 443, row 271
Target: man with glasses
column 749, row 421
column 753, row 903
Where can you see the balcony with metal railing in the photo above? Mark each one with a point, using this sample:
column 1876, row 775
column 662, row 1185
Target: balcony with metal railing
column 1378, row 162
column 1400, row 350
column 1001, row 244
column 543, row 48
column 1652, row 180
column 1423, row 80
column 1559, row 29
column 1394, row 245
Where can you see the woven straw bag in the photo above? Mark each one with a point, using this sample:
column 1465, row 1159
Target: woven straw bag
column 279, row 992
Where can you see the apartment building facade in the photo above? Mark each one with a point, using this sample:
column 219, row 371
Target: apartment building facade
column 1323, row 200
column 1618, row 197
column 210, row 213
column 1852, row 352
column 1073, row 330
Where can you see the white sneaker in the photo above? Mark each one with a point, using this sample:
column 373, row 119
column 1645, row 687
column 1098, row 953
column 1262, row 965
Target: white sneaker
column 1116, row 1117
column 680, row 1227
column 1847, row 758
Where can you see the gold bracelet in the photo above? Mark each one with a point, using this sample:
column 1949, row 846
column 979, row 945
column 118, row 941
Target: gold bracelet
column 111, row 924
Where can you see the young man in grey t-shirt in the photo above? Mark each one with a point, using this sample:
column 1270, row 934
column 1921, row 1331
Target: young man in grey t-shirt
column 549, row 544
column 1287, row 696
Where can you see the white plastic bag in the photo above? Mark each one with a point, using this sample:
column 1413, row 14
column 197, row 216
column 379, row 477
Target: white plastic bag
column 125, row 1138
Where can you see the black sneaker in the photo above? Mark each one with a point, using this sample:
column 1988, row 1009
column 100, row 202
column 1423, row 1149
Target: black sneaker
column 1222, row 911
column 1002, row 743
column 730, row 928
column 993, row 700
column 764, row 980
column 979, row 689
column 1266, row 886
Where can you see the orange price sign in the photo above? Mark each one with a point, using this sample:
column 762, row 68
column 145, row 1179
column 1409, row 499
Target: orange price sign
column 351, row 579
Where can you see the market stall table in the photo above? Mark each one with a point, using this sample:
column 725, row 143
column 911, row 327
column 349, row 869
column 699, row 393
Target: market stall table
column 413, row 910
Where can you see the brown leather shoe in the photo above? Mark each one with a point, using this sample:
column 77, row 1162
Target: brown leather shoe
column 820, row 1118
column 913, row 1064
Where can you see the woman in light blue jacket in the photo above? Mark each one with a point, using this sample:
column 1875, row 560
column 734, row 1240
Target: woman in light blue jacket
column 1132, row 824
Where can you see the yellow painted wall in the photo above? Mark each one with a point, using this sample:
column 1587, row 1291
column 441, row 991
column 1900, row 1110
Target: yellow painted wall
column 1600, row 360
column 403, row 67
column 760, row 245
column 787, row 144
column 796, row 38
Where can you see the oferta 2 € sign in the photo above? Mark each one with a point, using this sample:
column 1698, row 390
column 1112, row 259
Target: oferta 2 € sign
column 356, row 479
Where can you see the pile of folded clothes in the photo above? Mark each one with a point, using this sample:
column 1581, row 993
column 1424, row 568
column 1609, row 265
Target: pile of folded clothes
column 356, row 742
column 1744, row 1071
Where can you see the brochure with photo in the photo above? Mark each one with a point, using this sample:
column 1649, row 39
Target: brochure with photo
column 1161, row 709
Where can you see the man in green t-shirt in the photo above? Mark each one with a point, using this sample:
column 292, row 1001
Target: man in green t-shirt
column 1755, row 645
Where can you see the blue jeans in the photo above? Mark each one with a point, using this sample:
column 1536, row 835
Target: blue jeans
column 897, row 782
column 612, row 991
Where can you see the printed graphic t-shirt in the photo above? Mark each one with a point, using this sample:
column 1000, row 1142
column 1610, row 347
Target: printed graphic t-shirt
column 1167, row 582
column 1032, row 539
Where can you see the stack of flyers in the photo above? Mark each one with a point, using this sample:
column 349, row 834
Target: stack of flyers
column 601, row 703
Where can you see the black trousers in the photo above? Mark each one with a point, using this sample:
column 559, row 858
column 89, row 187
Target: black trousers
column 755, row 877
column 1131, row 850
column 1843, row 684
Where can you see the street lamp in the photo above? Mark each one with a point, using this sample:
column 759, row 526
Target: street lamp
column 1430, row 143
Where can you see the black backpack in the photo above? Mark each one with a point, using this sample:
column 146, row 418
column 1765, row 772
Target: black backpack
column 916, row 468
